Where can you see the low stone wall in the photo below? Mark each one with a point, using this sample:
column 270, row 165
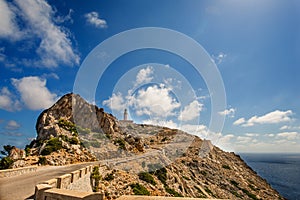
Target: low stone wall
column 75, row 186
column 17, row 172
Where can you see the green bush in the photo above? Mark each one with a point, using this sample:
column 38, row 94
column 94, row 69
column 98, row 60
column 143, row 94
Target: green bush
column 109, row 177
column 145, row 176
column 233, row 182
column 73, row 140
column 226, row 167
column 54, row 144
column 139, row 189
column 95, row 175
column 121, row 143
column 249, row 194
column 173, row 192
column 6, row 163
column 42, row 160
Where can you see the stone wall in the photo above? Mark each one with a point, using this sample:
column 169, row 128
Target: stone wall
column 75, row 185
column 16, row 172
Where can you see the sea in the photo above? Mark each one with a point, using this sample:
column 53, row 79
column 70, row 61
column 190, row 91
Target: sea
column 282, row 171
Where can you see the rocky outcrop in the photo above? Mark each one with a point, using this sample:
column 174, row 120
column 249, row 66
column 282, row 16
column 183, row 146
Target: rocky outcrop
column 17, row 154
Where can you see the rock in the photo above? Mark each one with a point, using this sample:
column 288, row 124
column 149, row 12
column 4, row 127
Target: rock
column 16, row 153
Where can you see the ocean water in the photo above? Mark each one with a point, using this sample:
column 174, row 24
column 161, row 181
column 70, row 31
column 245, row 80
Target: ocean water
column 282, row 171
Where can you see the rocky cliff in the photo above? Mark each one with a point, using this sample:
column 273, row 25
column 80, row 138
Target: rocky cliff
column 140, row 159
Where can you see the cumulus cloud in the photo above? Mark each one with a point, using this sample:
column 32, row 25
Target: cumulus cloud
column 144, row 76
column 228, row 112
column 288, row 135
column 12, row 125
column 239, row 121
column 115, row 102
column 54, row 46
column 285, row 127
column 8, row 101
column 93, row 19
column 34, row 93
column 154, row 101
column 191, row 111
column 274, row 117
column 252, row 134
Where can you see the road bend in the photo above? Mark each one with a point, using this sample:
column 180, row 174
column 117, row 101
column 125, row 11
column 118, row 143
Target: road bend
column 22, row 187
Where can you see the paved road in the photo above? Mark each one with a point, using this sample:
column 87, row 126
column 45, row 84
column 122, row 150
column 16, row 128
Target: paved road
column 22, row 187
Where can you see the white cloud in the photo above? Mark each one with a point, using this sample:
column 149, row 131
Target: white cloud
column 191, row 111
column 115, row 102
column 288, row 135
column 239, row 121
column 163, row 123
column 218, row 59
column 144, row 76
column 34, row 93
column 7, row 100
column 154, row 101
column 244, row 139
column 252, row 134
column 38, row 19
column 93, row 19
column 8, row 25
column 228, row 112
column 12, row 125
column 285, row 127
column 274, row 117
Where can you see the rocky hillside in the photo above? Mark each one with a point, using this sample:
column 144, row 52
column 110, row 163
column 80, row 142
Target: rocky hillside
column 139, row 159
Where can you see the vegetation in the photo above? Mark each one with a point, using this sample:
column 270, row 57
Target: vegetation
column 69, row 126
column 54, row 144
column 226, row 167
column 233, row 182
column 96, row 177
column 27, row 150
column 6, row 149
column 202, row 195
column 42, row 160
column 173, row 192
column 73, row 128
column 6, row 163
column 145, row 176
column 249, row 194
column 120, row 142
column 109, row 177
column 139, row 189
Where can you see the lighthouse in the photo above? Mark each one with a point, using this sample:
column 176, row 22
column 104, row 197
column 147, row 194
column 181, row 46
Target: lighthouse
column 125, row 115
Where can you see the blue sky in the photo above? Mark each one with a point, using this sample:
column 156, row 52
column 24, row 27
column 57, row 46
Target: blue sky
column 254, row 44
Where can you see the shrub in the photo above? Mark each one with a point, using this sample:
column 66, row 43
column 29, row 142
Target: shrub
column 73, row 140
column 54, row 144
column 27, row 150
column 42, row 160
column 173, row 192
column 233, row 182
column 121, row 143
column 95, row 175
column 226, row 167
column 139, row 189
column 145, row 176
column 249, row 194
column 109, row 177
column 6, row 163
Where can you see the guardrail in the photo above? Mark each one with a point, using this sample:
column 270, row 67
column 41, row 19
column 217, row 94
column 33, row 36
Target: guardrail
column 15, row 172
column 57, row 188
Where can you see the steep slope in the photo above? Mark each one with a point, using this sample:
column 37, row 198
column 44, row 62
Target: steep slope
column 141, row 159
